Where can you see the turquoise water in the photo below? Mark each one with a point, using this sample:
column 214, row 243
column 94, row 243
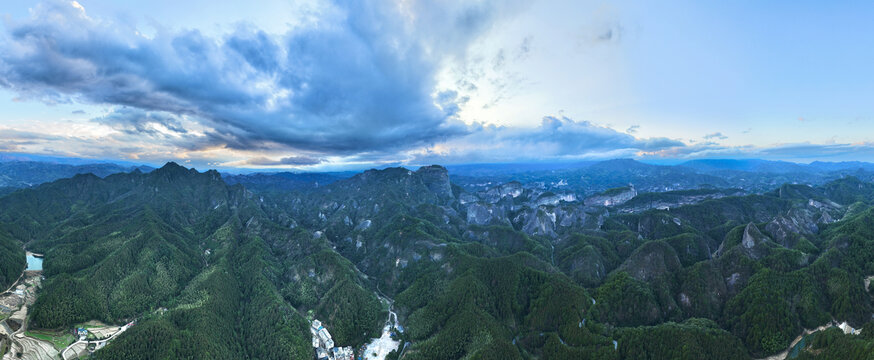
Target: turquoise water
column 797, row 349
column 793, row 353
column 34, row 263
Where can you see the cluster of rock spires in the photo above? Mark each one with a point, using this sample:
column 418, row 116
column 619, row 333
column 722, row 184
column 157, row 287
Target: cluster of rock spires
column 538, row 212
column 348, row 209
column 531, row 210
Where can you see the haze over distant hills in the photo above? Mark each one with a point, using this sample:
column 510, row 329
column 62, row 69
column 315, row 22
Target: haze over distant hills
column 586, row 177
column 21, row 174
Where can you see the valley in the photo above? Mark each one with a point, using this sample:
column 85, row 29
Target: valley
column 16, row 341
column 19, row 340
column 207, row 269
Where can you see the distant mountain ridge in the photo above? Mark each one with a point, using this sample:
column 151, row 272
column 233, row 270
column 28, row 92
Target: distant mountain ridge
column 22, row 174
column 584, row 177
column 751, row 175
column 280, row 181
column 769, row 166
column 754, row 165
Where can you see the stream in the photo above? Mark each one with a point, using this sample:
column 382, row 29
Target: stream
column 380, row 347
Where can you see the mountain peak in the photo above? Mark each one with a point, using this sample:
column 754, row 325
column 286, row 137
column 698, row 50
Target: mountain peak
column 620, row 164
column 436, row 178
column 172, row 170
column 171, row 165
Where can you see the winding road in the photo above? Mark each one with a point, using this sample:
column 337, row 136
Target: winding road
column 100, row 343
column 13, row 284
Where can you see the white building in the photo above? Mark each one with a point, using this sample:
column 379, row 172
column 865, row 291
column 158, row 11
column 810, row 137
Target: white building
column 344, row 353
column 325, row 336
column 324, row 344
column 315, row 327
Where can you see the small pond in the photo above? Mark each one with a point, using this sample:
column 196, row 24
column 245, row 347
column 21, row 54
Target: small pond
column 34, row 263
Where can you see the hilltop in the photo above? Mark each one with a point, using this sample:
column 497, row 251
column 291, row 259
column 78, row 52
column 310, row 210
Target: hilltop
column 513, row 268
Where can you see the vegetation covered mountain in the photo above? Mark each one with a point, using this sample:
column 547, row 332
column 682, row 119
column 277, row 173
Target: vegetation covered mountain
column 509, row 270
column 12, row 260
column 283, row 181
column 181, row 251
column 20, row 174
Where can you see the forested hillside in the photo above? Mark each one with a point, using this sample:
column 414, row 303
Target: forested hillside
column 175, row 249
column 12, row 260
column 211, row 270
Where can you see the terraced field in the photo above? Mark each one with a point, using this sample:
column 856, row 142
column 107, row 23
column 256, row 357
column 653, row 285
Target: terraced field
column 35, row 349
column 59, row 340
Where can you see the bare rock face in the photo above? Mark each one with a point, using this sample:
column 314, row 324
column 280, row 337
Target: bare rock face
column 755, row 244
column 802, row 220
column 363, row 225
column 825, row 218
column 511, row 190
column 612, row 197
column 540, row 221
column 478, row 214
column 436, row 178
column 535, row 212
column 782, row 228
column 554, row 199
column 466, row 198
column 483, row 214
column 571, row 216
column 752, row 236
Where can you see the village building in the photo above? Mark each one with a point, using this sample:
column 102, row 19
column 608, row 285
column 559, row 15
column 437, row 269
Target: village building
column 323, row 344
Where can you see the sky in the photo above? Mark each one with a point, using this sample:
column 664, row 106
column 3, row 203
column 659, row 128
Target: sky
column 336, row 84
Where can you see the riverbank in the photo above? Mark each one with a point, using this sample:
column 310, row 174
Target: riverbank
column 844, row 326
column 379, row 348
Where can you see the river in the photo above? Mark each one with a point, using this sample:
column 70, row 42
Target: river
column 380, row 347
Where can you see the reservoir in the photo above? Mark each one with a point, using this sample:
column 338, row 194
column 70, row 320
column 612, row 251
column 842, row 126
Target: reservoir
column 33, row 262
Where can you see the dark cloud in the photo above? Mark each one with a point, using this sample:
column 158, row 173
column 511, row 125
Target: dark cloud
column 790, row 152
column 632, row 129
column 524, row 48
column 10, row 143
column 136, row 121
column 858, row 151
column 363, row 83
column 79, row 112
column 555, row 138
column 292, row 160
column 610, row 32
column 716, row 135
column 582, row 136
column 450, row 102
column 18, row 135
column 10, row 147
column 606, row 35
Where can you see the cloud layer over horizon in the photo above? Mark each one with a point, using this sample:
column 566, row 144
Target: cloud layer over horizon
column 356, row 83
